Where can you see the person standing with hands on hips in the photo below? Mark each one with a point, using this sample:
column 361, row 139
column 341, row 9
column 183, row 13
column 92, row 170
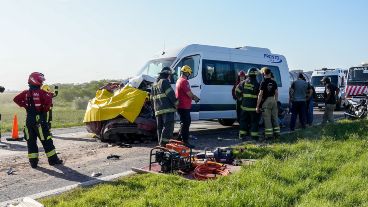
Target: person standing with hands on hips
column 37, row 103
column 330, row 94
column 185, row 97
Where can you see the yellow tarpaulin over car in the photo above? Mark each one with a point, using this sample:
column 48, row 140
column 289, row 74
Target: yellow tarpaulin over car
column 127, row 102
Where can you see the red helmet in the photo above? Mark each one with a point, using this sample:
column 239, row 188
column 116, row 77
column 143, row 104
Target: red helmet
column 241, row 73
column 36, row 79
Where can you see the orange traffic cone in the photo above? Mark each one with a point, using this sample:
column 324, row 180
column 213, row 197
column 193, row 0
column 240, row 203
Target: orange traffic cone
column 15, row 133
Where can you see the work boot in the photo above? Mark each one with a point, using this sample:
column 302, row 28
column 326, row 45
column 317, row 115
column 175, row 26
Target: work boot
column 277, row 136
column 33, row 162
column 246, row 139
column 55, row 161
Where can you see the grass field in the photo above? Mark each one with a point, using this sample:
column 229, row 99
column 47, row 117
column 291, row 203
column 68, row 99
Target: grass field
column 64, row 115
column 321, row 166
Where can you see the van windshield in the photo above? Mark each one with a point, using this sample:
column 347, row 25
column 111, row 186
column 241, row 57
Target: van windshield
column 316, row 80
column 358, row 74
column 153, row 67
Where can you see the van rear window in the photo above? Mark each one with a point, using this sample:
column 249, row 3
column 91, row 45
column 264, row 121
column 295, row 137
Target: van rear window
column 225, row 73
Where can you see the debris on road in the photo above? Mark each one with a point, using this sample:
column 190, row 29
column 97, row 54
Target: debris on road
column 96, row 174
column 27, row 202
column 122, row 145
column 113, row 157
column 10, row 171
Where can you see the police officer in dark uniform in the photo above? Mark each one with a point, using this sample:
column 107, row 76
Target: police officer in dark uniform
column 164, row 103
column 37, row 103
column 248, row 91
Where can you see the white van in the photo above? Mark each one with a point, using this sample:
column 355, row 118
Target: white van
column 337, row 77
column 214, row 74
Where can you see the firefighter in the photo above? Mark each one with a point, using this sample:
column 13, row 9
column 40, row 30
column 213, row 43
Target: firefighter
column 248, row 91
column 267, row 99
column 164, row 103
column 185, row 97
column 241, row 77
column 37, row 103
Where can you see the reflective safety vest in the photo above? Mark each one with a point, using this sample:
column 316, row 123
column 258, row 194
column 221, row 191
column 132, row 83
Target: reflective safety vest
column 163, row 97
column 247, row 91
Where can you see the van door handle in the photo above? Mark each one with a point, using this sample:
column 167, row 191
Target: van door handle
column 194, row 86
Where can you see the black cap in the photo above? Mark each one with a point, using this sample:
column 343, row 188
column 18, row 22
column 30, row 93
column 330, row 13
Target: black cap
column 166, row 70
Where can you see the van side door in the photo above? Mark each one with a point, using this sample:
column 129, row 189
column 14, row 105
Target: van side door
column 194, row 62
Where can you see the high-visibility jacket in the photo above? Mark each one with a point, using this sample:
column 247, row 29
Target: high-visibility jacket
column 248, row 91
column 163, row 97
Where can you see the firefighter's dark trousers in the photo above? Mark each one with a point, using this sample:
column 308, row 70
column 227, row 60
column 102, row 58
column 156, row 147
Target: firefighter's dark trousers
column 249, row 124
column 165, row 127
column 238, row 110
column 185, row 121
column 31, row 132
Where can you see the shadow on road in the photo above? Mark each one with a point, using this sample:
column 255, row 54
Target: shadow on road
column 66, row 173
column 13, row 147
column 76, row 139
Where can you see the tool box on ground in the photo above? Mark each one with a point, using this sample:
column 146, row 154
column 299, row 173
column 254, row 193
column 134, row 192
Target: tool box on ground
column 175, row 156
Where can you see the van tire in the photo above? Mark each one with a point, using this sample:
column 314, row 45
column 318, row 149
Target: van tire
column 226, row 122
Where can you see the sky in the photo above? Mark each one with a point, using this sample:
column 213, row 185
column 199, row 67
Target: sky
column 75, row 41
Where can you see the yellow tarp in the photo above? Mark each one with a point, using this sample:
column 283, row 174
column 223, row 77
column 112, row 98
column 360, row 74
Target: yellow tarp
column 127, row 102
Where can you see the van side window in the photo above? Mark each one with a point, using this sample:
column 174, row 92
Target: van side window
column 217, row 73
column 192, row 61
column 246, row 66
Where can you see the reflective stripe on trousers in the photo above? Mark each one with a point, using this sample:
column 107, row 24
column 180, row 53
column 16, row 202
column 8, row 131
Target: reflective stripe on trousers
column 163, row 111
column 51, row 153
column 40, row 132
column 247, row 108
column 33, row 155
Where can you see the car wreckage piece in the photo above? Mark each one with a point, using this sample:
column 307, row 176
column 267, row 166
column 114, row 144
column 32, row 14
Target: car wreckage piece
column 119, row 114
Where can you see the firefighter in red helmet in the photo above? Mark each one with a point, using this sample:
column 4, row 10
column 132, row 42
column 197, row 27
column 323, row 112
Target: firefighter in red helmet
column 241, row 76
column 37, row 103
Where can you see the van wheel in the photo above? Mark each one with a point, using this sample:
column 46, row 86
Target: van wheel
column 226, row 122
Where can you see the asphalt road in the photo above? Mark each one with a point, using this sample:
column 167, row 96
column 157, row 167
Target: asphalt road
column 83, row 155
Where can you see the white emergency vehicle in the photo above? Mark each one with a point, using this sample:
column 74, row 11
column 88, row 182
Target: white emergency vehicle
column 357, row 82
column 214, row 74
column 337, row 77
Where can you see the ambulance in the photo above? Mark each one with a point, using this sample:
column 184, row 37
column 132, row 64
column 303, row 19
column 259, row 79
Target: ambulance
column 215, row 71
column 357, row 82
column 337, row 77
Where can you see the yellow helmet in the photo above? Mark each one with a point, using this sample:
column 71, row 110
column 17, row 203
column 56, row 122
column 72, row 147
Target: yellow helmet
column 46, row 88
column 186, row 69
